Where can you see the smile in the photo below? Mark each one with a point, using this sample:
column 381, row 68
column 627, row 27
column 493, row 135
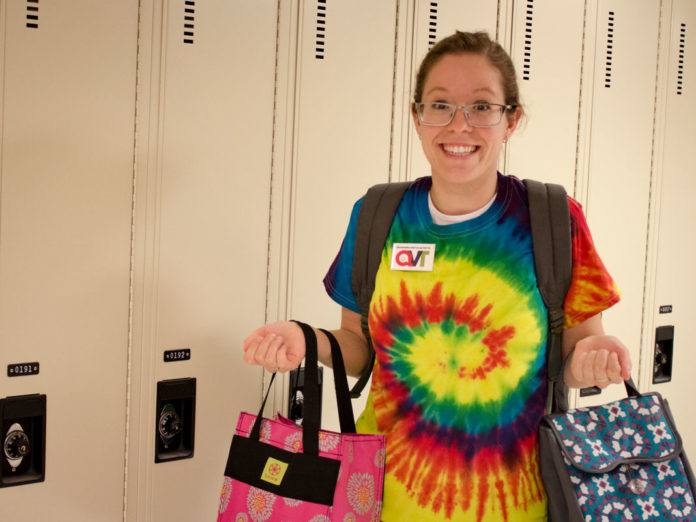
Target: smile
column 458, row 150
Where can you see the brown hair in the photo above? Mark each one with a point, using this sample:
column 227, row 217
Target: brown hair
column 474, row 43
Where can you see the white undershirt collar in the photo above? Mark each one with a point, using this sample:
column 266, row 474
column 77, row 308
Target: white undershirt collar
column 444, row 219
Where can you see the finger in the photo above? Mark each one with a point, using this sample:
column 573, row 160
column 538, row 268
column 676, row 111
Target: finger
column 614, row 369
column 578, row 365
column 270, row 357
column 251, row 340
column 600, row 368
column 600, row 364
column 588, row 373
column 294, row 359
column 262, row 348
column 255, row 337
column 284, row 360
column 250, row 351
column 624, row 357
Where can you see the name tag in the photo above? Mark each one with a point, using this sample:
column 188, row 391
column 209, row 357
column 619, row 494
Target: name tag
column 413, row 257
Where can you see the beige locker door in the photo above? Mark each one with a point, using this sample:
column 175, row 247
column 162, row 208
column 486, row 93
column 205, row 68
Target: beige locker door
column 66, row 178
column 202, row 219
column 619, row 157
column 344, row 86
column 548, row 61
column 675, row 279
column 434, row 20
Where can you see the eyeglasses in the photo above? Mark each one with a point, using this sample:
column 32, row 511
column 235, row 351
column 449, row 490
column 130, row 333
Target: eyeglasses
column 477, row 114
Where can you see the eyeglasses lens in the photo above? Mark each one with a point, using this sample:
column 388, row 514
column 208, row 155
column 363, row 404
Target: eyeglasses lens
column 481, row 115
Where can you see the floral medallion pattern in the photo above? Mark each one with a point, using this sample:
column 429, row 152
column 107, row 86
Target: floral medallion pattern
column 625, row 463
column 358, row 489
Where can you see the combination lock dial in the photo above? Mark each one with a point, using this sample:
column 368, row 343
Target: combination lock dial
column 16, row 446
column 170, row 424
column 175, row 419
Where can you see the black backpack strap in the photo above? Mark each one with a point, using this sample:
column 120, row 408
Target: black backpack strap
column 374, row 222
column 553, row 260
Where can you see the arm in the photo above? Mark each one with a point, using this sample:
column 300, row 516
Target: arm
column 593, row 358
column 280, row 346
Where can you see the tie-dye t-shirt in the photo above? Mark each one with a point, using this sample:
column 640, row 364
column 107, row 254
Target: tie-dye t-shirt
column 459, row 383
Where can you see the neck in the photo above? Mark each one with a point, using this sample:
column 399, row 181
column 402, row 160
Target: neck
column 456, row 199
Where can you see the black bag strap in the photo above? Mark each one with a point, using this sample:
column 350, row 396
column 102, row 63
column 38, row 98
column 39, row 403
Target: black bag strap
column 312, row 414
column 375, row 218
column 345, row 410
column 553, row 261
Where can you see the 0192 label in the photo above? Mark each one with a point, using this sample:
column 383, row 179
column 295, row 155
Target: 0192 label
column 182, row 354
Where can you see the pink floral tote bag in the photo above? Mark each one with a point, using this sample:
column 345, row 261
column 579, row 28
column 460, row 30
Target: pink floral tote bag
column 278, row 471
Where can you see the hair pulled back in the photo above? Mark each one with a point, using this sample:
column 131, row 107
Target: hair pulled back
column 475, row 43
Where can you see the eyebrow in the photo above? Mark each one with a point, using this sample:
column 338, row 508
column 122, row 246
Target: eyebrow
column 476, row 91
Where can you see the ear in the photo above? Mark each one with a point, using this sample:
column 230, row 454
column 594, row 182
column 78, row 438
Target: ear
column 513, row 122
column 416, row 122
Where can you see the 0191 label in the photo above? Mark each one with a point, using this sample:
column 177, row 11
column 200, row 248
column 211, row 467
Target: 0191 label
column 22, row 369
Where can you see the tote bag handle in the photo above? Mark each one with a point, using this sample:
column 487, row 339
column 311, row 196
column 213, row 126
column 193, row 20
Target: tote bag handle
column 311, row 421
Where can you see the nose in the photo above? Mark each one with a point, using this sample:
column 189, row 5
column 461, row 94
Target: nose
column 460, row 120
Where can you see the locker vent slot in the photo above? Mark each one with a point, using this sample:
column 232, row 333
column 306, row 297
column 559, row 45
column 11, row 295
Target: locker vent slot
column 432, row 24
column 189, row 19
column 33, row 14
column 610, row 50
column 680, row 67
column 527, row 61
column 320, row 47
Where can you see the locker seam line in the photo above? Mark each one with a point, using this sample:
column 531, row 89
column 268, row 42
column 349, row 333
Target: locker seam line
column 580, row 104
column 272, row 181
column 273, row 165
column 129, row 352
column 497, row 20
column 394, row 80
column 649, row 228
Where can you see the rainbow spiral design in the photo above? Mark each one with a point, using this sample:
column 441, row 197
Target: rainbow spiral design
column 459, row 387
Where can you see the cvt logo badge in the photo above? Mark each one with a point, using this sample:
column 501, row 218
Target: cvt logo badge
column 274, row 471
column 414, row 257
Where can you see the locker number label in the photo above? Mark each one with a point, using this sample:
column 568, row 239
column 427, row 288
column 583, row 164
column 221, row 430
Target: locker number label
column 183, row 354
column 666, row 309
column 21, row 369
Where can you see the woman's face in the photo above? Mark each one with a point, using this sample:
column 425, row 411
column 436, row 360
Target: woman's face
column 458, row 153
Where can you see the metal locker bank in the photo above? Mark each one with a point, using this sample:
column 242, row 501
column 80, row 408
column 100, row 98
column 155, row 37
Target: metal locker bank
column 175, row 173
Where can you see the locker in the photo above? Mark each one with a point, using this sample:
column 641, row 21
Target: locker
column 343, row 134
column 205, row 129
column 619, row 100
column 66, row 184
column 127, row 263
column 672, row 278
column 342, row 130
column 548, row 62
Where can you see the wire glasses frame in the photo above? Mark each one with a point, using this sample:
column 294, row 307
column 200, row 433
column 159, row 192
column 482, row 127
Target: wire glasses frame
column 439, row 114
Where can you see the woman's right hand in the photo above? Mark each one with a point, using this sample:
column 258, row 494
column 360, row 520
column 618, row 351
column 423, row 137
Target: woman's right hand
column 278, row 347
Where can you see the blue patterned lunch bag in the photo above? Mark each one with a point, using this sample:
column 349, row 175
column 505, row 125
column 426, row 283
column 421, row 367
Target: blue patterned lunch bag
column 617, row 462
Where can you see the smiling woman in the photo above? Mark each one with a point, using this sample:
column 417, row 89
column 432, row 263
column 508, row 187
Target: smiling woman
column 459, row 379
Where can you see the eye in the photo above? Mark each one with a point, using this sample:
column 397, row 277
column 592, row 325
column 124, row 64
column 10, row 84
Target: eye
column 481, row 107
column 439, row 106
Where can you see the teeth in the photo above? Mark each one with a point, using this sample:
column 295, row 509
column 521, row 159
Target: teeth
column 459, row 149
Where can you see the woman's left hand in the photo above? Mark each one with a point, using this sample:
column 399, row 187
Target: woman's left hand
column 598, row 360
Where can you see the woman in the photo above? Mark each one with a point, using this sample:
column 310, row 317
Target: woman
column 459, row 383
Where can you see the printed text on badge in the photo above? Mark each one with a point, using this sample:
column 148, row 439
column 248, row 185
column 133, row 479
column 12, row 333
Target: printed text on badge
column 415, row 257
